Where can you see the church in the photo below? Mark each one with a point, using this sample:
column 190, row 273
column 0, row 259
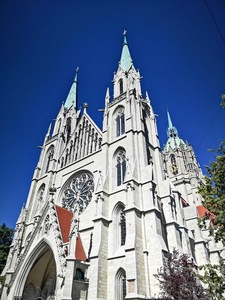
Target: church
column 107, row 206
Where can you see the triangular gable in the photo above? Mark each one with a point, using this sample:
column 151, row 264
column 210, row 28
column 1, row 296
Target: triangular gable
column 85, row 115
column 85, row 140
column 64, row 216
column 79, row 252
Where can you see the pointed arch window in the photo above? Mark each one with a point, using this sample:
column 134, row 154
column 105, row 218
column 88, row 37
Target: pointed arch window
column 68, row 128
column 120, row 122
column 119, row 226
column 50, row 155
column 121, row 166
column 174, row 167
column 120, row 284
column 121, row 86
column 122, row 227
column 39, row 199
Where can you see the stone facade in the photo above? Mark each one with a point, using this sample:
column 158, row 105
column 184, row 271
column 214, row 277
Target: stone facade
column 106, row 207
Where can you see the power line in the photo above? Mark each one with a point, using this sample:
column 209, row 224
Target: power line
column 210, row 11
column 211, row 124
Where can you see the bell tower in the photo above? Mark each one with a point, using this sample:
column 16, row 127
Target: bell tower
column 181, row 165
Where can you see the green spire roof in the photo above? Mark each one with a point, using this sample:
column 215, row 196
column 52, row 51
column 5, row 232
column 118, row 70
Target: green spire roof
column 125, row 61
column 72, row 96
column 171, row 131
column 173, row 139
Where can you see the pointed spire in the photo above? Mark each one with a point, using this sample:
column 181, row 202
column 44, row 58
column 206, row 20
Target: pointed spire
column 72, row 96
column 107, row 97
column 125, row 61
column 147, row 97
column 169, row 119
column 171, row 131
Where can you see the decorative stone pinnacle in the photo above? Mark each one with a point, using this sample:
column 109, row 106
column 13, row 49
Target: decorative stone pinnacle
column 85, row 104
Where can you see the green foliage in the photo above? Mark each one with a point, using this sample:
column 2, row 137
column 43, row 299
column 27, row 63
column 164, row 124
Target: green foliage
column 6, row 234
column 223, row 101
column 213, row 193
column 178, row 280
column 2, row 280
column 214, row 278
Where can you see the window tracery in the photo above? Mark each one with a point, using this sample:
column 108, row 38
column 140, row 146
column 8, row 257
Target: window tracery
column 50, row 155
column 121, row 166
column 120, row 122
column 85, row 140
column 78, row 192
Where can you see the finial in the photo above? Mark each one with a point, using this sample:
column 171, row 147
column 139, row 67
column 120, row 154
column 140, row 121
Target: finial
column 125, row 32
column 85, row 106
column 75, row 79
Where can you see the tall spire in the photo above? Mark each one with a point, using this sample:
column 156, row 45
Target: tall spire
column 173, row 139
column 125, row 61
column 72, row 96
column 171, row 131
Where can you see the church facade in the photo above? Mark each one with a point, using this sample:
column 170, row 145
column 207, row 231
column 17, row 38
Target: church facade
column 106, row 206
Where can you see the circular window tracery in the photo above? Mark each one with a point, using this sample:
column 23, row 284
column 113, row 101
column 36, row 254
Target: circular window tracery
column 78, row 192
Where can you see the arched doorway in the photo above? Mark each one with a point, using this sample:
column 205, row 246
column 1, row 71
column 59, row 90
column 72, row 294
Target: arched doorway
column 41, row 280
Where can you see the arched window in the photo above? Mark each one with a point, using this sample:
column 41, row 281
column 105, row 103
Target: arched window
column 122, row 227
column 121, row 86
column 39, row 199
column 173, row 166
column 68, row 128
column 119, row 226
column 121, row 166
column 50, row 154
column 79, row 274
column 120, row 284
column 120, row 122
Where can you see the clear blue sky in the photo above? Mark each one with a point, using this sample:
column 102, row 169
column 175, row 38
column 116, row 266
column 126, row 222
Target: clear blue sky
column 175, row 44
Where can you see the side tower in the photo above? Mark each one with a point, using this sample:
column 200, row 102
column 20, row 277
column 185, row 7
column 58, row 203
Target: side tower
column 145, row 211
column 182, row 166
column 186, row 175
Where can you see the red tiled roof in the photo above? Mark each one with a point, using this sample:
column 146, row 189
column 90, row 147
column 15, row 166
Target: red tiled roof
column 202, row 211
column 64, row 216
column 79, row 252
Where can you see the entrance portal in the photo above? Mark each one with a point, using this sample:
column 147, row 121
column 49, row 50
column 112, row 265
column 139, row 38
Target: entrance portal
column 41, row 280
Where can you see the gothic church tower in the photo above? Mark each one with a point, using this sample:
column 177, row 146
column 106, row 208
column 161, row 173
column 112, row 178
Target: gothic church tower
column 105, row 207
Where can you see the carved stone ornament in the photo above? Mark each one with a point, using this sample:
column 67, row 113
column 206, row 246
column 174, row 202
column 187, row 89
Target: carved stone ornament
column 78, row 192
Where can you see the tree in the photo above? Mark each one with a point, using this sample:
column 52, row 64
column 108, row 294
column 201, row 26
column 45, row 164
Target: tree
column 178, row 279
column 213, row 193
column 6, row 234
column 213, row 277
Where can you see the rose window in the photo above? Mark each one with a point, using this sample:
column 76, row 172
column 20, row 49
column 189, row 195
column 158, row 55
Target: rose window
column 78, row 192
